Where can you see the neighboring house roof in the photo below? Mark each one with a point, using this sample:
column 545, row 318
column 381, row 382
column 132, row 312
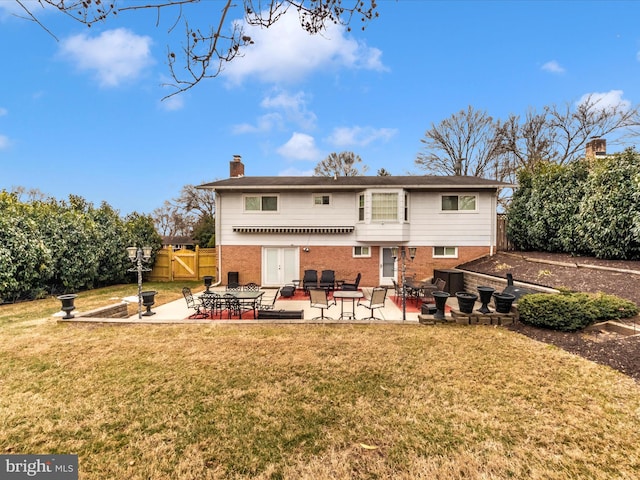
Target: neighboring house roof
column 409, row 182
column 177, row 240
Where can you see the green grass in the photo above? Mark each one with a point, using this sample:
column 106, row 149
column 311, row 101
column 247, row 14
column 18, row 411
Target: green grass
column 311, row 402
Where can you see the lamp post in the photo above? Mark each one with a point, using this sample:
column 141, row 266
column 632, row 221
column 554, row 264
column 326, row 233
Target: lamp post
column 400, row 252
column 138, row 255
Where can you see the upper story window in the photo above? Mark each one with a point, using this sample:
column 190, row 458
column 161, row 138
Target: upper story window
column 261, row 203
column 459, row 203
column 361, row 207
column 322, row 199
column 384, row 206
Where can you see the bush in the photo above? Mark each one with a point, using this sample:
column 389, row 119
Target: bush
column 572, row 311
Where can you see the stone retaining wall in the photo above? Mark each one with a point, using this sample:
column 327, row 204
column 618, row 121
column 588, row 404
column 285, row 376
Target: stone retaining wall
column 118, row 310
column 473, row 280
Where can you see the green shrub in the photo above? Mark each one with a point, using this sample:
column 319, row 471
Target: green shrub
column 572, row 311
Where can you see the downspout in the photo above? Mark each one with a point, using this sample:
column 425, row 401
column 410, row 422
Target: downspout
column 218, row 247
column 494, row 213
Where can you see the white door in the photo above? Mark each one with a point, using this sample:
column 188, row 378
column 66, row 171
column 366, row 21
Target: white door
column 279, row 265
column 387, row 266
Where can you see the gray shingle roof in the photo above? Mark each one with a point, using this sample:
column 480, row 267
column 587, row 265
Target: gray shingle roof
column 412, row 182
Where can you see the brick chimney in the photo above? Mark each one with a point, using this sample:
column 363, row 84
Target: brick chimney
column 596, row 148
column 236, row 167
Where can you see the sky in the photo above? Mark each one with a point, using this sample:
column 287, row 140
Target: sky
column 81, row 109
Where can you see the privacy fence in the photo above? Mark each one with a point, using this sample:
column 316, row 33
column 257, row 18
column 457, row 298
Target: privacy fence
column 184, row 264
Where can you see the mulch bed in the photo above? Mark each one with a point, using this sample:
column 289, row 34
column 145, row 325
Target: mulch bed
column 552, row 270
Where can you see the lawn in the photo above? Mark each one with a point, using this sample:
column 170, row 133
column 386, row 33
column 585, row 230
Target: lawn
column 310, row 402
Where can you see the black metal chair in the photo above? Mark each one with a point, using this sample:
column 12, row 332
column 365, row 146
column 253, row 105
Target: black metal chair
column 193, row 303
column 319, row 298
column 252, row 287
column 327, row 280
column 352, row 286
column 212, row 302
column 378, row 297
column 310, row 280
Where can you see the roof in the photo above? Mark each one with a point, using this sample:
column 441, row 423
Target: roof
column 410, row 182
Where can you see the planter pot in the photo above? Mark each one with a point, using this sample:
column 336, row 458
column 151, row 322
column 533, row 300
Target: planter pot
column 208, row 280
column 466, row 301
column 148, row 299
column 485, row 298
column 503, row 302
column 67, row 304
column 441, row 300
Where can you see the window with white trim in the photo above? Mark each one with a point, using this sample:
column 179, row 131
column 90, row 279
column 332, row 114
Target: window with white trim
column 459, row 203
column 445, row 252
column 361, row 251
column 384, row 206
column 261, row 203
column 361, row 207
column 321, row 199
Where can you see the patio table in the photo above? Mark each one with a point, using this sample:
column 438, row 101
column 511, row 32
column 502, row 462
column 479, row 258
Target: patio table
column 352, row 295
column 250, row 297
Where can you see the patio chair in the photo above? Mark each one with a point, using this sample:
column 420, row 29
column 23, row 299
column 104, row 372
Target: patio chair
column 268, row 303
column 427, row 290
column 310, row 280
column 252, row 287
column 328, row 280
column 352, row 286
column 378, row 297
column 320, row 299
column 234, row 306
column 195, row 304
column 212, row 302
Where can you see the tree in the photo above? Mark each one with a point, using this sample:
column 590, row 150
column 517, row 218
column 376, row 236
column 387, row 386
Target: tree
column 344, row 164
column 383, row 172
column 206, row 50
column 559, row 135
column 464, row 144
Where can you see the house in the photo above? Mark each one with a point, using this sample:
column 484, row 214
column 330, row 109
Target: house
column 271, row 229
column 178, row 242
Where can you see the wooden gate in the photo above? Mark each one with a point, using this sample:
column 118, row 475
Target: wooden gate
column 503, row 243
column 184, row 264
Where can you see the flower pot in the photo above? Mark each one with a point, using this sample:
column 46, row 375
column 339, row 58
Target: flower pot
column 503, row 302
column 485, row 297
column 466, row 301
column 67, row 304
column 148, row 299
column 208, row 280
column 441, row 301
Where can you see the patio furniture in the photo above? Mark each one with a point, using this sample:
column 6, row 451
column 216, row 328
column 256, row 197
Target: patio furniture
column 319, row 298
column 343, row 295
column 288, row 291
column 233, row 280
column 269, row 302
column 327, row 280
column 352, row 286
column 378, row 297
column 192, row 303
column 281, row 314
column 251, row 286
column 426, row 291
column 310, row 280
column 212, row 302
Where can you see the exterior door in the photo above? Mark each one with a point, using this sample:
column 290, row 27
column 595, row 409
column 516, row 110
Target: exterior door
column 387, row 266
column 279, row 265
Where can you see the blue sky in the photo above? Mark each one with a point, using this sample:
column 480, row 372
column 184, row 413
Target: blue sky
column 83, row 115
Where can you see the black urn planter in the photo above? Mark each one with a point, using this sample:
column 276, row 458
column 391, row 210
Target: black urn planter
column 485, row 297
column 503, row 302
column 208, row 280
column 67, row 304
column 466, row 301
column 148, row 299
column 441, row 300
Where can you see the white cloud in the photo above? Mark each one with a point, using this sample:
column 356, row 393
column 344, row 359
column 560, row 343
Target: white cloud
column 288, row 108
column 4, row 142
column 553, row 67
column 359, row 136
column 115, row 55
column 295, row 172
column 300, row 147
column 172, row 103
column 606, row 100
column 285, row 52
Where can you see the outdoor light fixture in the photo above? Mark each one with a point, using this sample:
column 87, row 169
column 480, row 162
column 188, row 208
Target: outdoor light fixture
column 400, row 252
column 138, row 255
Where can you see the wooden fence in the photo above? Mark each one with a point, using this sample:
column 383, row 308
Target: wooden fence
column 502, row 242
column 184, row 264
